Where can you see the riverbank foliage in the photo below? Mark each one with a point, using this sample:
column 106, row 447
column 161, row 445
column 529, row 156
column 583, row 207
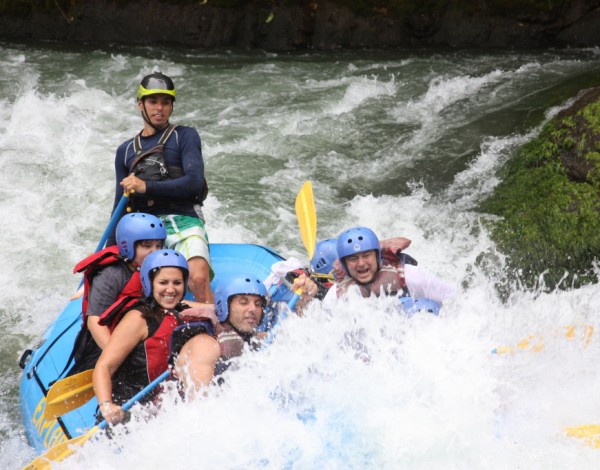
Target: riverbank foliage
column 549, row 201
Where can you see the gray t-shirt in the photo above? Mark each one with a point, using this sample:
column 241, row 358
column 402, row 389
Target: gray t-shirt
column 106, row 286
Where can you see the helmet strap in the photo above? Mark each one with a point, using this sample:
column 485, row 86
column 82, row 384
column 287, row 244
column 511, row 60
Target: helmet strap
column 147, row 119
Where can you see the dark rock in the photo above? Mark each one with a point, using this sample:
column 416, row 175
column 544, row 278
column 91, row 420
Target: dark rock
column 312, row 25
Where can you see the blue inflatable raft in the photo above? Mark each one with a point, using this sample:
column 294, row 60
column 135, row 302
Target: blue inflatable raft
column 44, row 365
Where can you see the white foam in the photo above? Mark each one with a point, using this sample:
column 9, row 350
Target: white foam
column 431, row 394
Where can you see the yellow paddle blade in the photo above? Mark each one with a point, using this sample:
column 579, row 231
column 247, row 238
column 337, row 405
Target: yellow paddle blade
column 307, row 217
column 69, row 393
column 535, row 343
column 590, row 433
column 60, row 451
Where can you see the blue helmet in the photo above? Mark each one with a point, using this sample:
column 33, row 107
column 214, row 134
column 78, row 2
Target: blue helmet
column 135, row 227
column 324, row 257
column 162, row 259
column 237, row 284
column 421, row 304
column 357, row 240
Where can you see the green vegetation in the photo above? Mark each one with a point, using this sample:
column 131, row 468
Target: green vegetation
column 549, row 200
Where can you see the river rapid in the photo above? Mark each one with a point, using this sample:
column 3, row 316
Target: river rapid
column 407, row 142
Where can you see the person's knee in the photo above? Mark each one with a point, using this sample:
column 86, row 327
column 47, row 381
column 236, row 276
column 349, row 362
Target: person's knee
column 199, row 282
column 199, row 271
column 200, row 278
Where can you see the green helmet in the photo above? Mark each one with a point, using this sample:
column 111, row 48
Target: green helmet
column 154, row 84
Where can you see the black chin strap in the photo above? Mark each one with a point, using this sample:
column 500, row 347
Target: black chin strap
column 144, row 114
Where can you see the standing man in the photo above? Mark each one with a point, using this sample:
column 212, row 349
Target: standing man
column 163, row 170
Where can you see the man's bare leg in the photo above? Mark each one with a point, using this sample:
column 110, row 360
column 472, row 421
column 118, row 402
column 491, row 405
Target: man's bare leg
column 199, row 283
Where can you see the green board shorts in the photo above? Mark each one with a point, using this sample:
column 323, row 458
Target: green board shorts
column 188, row 236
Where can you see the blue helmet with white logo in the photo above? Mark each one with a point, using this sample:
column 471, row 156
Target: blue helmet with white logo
column 324, row 257
column 162, row 259
column 135, row 227
column 357, row 240
column 237, row 284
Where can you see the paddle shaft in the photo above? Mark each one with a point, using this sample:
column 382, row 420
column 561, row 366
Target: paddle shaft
column 294, row 300
column 61, row 451
column 142, row 393
column 113, row 222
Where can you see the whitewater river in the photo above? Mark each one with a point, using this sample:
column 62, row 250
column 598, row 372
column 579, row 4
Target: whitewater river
column 407, row 143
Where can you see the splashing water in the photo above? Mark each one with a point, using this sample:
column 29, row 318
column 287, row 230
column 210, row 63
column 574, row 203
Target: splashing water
column 406, row 143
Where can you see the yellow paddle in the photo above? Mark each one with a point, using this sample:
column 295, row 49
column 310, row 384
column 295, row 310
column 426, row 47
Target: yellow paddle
column 69, row 393
column 535, row 343
column 590, row 433
column 61, row 451
column 307, row 221
column 307, row 217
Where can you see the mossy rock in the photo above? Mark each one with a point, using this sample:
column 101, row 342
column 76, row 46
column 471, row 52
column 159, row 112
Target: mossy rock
column 549, row 201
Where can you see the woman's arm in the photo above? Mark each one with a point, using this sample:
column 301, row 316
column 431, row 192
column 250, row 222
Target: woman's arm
column 101, row 334
column 132, row 330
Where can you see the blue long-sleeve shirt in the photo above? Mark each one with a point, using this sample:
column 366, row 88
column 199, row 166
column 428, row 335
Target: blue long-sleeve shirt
column 183, row 149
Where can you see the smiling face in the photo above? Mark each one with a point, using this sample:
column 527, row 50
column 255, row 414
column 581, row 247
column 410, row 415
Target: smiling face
column 168, row 286
column 245, row 312
column 157, row 108
column 362, row 267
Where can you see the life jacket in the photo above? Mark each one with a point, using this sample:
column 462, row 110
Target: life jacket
column 90, row 266
column 113, row 314
column 389, row 279
column 230, row 341
column 232, row 345
column 162, row 347
column 85, row 351
column 152, row 357
column 150, row 165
